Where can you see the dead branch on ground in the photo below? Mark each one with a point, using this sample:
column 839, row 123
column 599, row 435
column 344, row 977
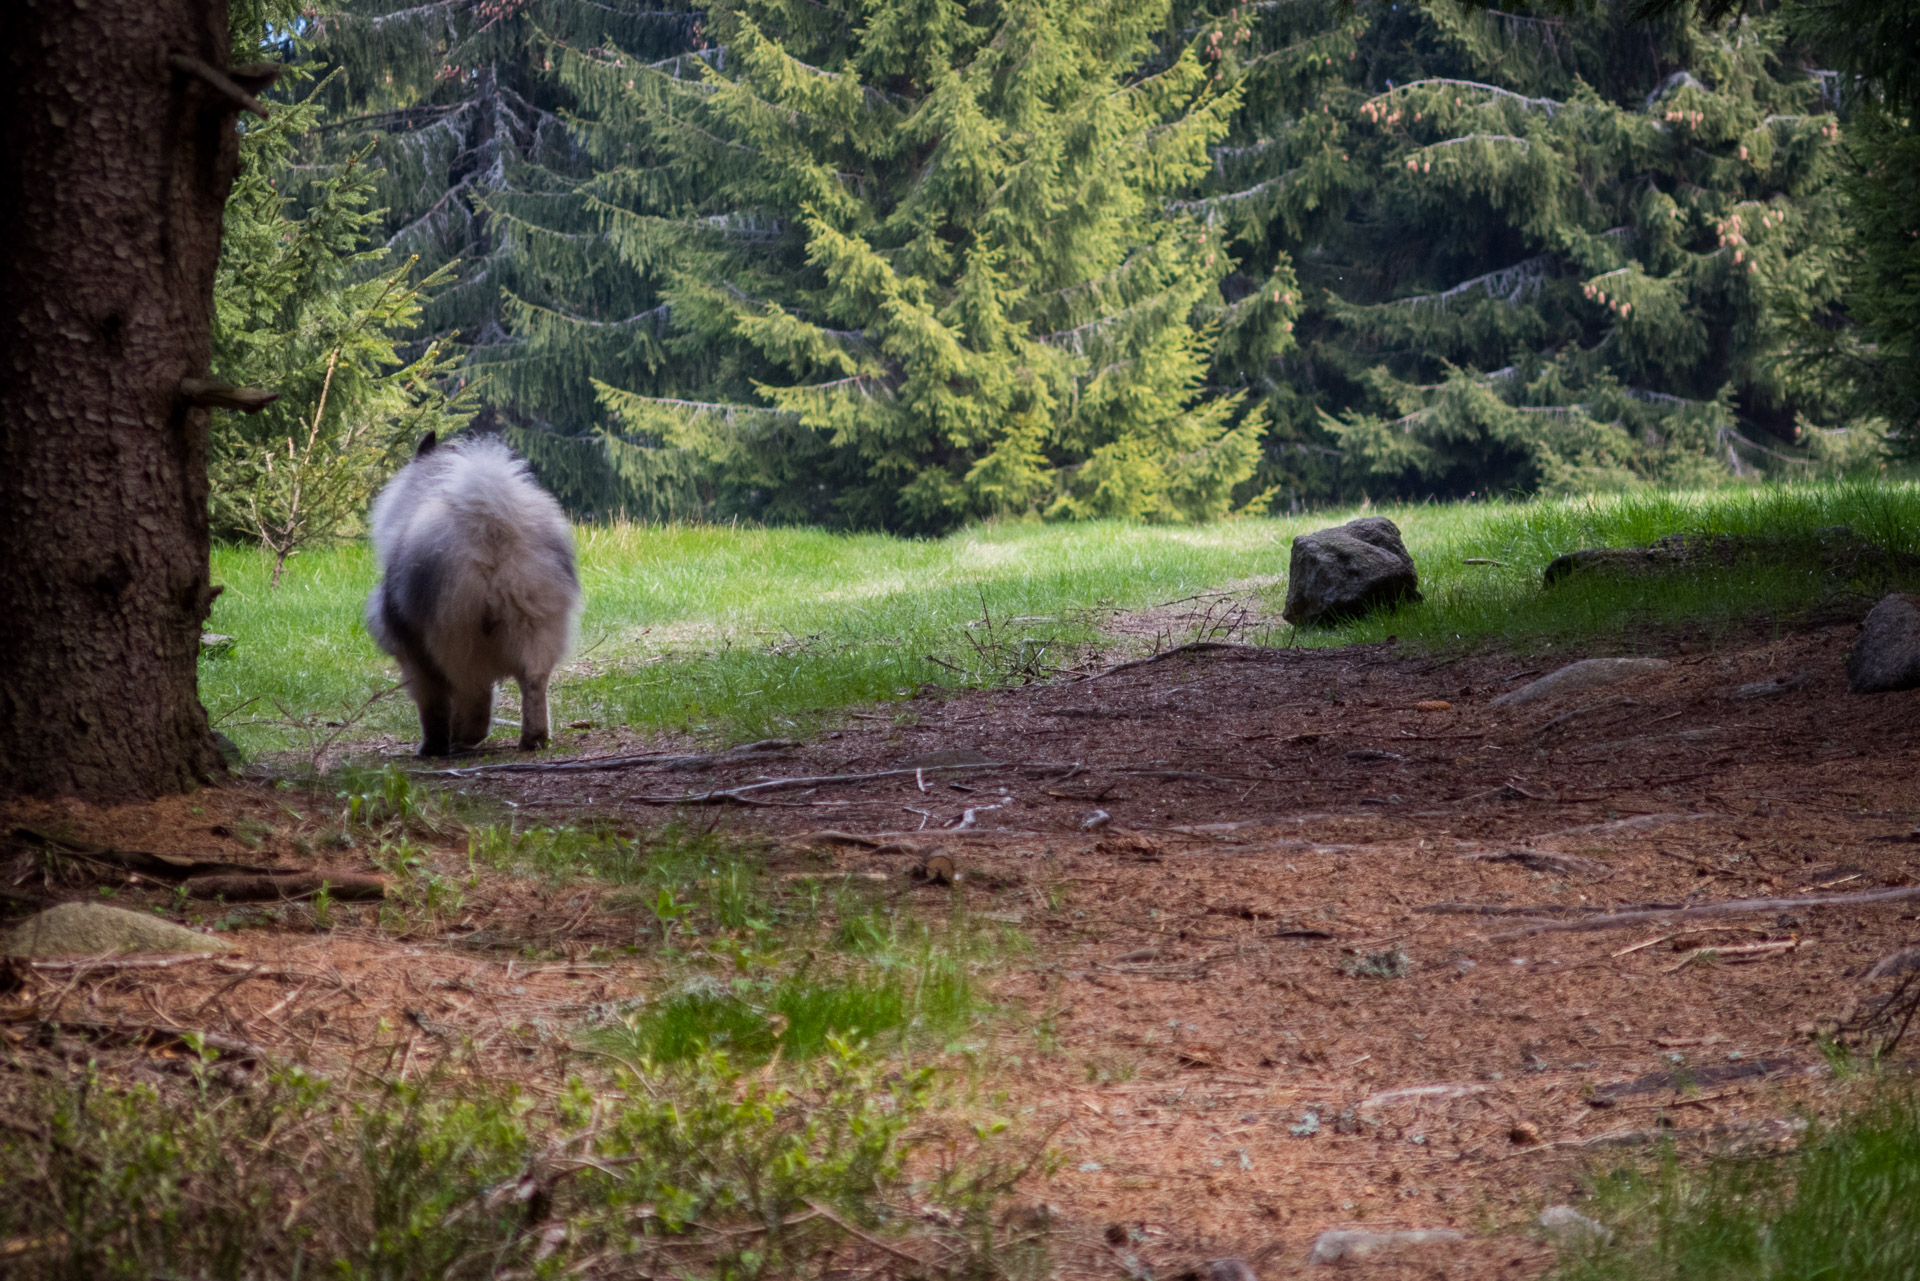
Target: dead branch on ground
column 1730, row 907
column 1194, row 647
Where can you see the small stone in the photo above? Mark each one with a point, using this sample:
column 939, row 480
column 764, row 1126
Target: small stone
column 214, row 645
column 1341, row 1245
column 1342, row 573
column 1574, row 677
column 1568, row 1226
column 94, row 929
column 1230, row 1270
column 1524, row 1133
column 1887, row 655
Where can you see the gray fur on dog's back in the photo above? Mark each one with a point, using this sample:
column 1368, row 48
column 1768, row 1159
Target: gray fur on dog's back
column 478, row 586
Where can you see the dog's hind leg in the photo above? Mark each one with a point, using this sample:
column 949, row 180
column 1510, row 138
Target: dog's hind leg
column 434, row 696
column 533, row 711
column 472, row 716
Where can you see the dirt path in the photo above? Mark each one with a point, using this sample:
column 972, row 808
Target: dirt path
column 1300, row 948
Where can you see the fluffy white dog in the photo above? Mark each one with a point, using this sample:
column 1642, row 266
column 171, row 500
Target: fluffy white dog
column 478, row 585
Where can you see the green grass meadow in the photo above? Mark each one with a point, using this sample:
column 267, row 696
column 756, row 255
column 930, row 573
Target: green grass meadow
column 732, row 634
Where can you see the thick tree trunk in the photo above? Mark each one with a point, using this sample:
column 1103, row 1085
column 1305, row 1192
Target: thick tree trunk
column 117, row 163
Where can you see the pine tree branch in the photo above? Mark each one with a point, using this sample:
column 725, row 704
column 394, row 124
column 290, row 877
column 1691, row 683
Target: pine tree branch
column 1548, row 105
column 1207, row 202
column 856, row 380
column 655, row 318
column 224, row 84
column 1525, row 144
column 1510, row 281
column 399, row 115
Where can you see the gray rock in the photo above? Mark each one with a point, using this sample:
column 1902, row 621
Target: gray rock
column 1570, row 1227
column 1589, row 673
column 1230, row 1270
column 1887, row 655
column 1347, row 571
column 94, row 929
column 1343, row 1245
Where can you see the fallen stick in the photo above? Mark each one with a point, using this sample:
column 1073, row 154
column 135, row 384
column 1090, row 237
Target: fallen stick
column 904, row 1256
column 1412, row 1092
column 1738, row 953
column 1544, row 909
column 590, row 764
column 156, row 865
column 549, row 767
column 1502, row 909
column 1657, row 939
column 832, row 836
column 1634, row 824
column 91, row 963
column 348, row 887
column 1188, row 775
column 1286, row 847
column 744, row 793
column 1194, row 647
column 1730, row 907
column 1212, row 829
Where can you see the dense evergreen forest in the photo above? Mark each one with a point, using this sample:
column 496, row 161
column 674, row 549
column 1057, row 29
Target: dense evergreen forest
column 905, row 263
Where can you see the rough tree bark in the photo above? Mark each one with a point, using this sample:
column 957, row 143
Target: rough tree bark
column 117, row 156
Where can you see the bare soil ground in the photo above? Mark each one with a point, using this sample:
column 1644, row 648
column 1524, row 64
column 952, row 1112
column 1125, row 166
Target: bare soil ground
column 1302, row 924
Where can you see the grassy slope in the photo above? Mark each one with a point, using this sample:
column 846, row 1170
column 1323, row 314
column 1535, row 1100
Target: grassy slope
column 743, row 633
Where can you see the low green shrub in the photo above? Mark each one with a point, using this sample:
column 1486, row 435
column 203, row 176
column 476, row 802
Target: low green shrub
column 690, row 1170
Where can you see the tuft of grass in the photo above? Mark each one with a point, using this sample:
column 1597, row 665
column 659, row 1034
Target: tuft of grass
column 559, row 852
column 749, row 1019
column 888, row 985
column 389, row 802
column 748, row 633
column 1845, row 1203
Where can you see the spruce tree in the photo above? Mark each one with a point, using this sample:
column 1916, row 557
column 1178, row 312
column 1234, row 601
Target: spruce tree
column 913, row 263
column 1870, row 343
column 1536, row 251
column 303, row 307
column 455, row 107
column 306, row 307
